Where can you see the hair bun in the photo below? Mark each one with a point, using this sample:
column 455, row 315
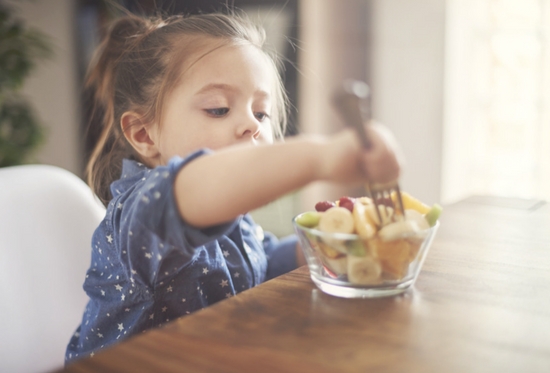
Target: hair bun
column 119, row 39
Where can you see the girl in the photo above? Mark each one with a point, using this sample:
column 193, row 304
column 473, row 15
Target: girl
column 191, row 108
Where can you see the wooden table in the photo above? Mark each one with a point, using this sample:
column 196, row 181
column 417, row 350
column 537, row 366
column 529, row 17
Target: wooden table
column 480, row 304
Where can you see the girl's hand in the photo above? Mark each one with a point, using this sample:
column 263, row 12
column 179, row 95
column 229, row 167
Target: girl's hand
column 383, row 161
column 218, row 187
column 346, row 161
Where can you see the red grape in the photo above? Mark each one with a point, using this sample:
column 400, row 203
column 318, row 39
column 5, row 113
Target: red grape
column 347, row 202
column 324, row 206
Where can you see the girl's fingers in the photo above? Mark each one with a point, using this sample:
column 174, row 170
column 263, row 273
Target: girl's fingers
column 383, row 161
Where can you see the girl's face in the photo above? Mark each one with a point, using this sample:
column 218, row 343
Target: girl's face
column 223, row 99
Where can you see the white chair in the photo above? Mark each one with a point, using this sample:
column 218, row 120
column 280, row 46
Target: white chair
column 47, row 217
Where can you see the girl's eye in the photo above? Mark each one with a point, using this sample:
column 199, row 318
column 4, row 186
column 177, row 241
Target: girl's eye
column 217, row 112
column 261, row 116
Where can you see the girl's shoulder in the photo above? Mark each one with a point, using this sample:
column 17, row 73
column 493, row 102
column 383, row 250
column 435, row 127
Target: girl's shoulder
column 135, row 175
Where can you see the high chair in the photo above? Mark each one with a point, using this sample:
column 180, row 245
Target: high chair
column 47, row 217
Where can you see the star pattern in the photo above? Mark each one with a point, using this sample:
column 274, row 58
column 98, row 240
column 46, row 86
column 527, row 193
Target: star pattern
column 135, row 264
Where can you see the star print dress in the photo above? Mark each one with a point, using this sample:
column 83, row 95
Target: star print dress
column 149, row 267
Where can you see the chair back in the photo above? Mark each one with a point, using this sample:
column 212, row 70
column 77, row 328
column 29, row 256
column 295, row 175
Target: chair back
column 47, row 218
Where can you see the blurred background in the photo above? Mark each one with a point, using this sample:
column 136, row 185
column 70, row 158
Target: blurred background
column 463, row 84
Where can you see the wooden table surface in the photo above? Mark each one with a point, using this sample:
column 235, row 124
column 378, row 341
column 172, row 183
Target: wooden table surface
column 480, row 304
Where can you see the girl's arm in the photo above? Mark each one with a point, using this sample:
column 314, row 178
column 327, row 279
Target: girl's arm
column 218, row 187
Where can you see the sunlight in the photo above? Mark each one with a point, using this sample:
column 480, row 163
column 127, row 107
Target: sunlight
column 499, row 82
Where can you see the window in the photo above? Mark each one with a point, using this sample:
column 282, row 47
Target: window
column 497, row 99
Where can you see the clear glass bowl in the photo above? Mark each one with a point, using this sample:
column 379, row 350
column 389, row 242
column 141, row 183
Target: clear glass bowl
column 346, row 266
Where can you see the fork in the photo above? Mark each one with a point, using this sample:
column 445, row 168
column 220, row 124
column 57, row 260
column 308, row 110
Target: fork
column 353, row 105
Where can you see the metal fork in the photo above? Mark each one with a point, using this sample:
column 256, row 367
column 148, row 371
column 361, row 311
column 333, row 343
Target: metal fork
column 353, row 104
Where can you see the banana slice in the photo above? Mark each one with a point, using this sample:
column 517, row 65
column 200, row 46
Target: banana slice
column 363, row 270
column 337, row 220
column 399, row 229
column 386, row 214
column 363, row 225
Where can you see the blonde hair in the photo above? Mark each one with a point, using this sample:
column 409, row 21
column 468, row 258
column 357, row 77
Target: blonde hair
column 138, row 63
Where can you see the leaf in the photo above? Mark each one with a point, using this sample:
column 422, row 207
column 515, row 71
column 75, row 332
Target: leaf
column 20, row 132
column 20, row 49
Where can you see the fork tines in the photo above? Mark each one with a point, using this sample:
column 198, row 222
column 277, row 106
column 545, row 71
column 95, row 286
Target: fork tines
column 381, row 196
column 353, row 104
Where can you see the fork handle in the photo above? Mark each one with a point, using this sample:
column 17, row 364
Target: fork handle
column 348, row 104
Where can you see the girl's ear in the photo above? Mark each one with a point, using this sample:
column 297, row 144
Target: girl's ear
column 139, row 135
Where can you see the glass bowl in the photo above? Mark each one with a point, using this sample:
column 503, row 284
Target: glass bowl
column 344, row 265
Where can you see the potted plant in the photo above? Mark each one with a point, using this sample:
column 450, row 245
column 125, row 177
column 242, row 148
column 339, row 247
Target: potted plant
column 20, row 48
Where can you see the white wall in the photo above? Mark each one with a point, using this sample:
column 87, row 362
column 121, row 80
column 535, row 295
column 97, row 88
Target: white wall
column 397, row 46
column 52, row 87
column 333, row 47
column 405, row 39
column 407, row 70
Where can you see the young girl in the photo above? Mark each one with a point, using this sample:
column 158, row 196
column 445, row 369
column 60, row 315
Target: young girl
column 191, row 108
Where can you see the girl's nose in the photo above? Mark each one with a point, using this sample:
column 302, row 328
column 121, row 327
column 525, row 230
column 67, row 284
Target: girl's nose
column 248, row 127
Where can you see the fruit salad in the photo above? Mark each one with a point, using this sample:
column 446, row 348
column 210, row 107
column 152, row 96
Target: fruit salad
column 365, row 247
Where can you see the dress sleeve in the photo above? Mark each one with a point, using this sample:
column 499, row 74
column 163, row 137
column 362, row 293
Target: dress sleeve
column 281, row 254
column 153, row 211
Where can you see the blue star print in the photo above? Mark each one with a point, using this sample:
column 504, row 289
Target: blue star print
column 149, row 267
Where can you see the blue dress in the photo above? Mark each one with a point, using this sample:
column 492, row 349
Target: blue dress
column 149, row 267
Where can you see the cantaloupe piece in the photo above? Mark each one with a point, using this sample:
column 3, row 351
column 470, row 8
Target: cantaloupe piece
column 394, row 256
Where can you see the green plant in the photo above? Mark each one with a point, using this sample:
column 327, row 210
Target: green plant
column 20, row 48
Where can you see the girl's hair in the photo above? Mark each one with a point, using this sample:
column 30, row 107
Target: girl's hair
column 139, row 62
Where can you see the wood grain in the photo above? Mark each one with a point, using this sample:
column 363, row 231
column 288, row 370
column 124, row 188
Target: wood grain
column 480, row 304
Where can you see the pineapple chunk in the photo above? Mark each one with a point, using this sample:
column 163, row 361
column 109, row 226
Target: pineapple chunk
column 409, row 202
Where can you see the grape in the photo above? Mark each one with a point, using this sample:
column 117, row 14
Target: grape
column 324, row 206
column 347, row 202
column 308, row 219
